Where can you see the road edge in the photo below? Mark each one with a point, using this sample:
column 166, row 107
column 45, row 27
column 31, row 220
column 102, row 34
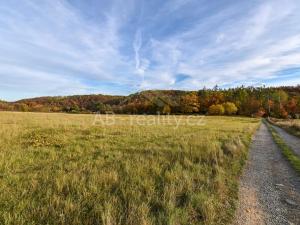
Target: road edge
column 287, row 151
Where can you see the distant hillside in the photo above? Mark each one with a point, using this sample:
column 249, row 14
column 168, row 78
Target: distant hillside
column 76, row 103
column 249, row 101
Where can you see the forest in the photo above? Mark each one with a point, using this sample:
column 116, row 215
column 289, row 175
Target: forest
column 280, row 102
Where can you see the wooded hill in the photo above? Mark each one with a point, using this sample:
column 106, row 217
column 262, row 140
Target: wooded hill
column 249, row 101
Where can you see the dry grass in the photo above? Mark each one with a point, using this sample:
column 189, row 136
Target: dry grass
column 62, row 169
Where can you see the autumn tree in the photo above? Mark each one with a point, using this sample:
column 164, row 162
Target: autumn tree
column 280, row 98
column 291, row 107
column 230, row 108
column 253, row 106
column 166, row 110
column 283, row 113
column 216, row 110
column 21, row 107
column 260, row 113
column 190, row 103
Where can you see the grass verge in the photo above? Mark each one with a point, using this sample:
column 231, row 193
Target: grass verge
column 286, row 150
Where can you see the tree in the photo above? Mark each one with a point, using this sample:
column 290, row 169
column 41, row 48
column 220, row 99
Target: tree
column 100, row 107
column 283, row 113
column 270, row 106
column 75, row 109
column 190, row 103
column 21, row 107
column 291, row 107
column 280, row 98
column 260, row 113
column 216, row 110
column 166, row 110
column 230, row 108
column 253, row 106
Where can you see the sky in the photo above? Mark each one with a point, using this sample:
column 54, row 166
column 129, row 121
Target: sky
column 67, row 47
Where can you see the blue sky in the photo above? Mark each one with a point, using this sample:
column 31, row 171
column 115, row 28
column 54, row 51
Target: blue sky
column 65, row 47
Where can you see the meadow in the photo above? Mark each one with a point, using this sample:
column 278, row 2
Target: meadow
column 135, row 170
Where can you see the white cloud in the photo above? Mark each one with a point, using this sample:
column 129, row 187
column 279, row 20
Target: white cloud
column 251, row 48
column 137, row 44
column 52, row 37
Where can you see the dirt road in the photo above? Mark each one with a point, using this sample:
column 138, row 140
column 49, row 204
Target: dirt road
column 270, row 188
column 292, row 141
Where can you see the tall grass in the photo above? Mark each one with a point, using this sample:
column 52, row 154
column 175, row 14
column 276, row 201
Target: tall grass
column 62, row 169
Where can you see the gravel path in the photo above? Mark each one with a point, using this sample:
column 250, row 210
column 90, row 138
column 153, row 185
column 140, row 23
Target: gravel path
column 290, row 140
column 269, row 188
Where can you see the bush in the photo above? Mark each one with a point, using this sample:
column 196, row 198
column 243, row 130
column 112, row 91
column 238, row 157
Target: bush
column 166, row 110
column 230, row 108
column 260, row 113
column 216, row 110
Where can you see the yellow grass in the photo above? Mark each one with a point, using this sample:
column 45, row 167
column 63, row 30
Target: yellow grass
column 84, row 169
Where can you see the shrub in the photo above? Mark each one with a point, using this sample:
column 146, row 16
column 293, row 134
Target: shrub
column 216, row 110
column 166, row 109
column 260, row 113
column 230, row 108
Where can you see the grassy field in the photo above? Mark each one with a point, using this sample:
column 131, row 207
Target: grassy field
column 292, row 125
column 136, row 170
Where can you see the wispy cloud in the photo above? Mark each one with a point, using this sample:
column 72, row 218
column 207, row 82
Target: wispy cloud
column 52, row 40
column 137, row 44
column 245, row 48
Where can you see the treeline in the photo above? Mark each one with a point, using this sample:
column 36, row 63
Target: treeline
column 281, row 102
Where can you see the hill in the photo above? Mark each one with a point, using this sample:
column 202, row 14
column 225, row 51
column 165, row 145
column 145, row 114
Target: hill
column 248, row 101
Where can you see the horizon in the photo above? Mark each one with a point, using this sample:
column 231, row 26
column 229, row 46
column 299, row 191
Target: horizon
column 63, row 47
column 126, row 95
